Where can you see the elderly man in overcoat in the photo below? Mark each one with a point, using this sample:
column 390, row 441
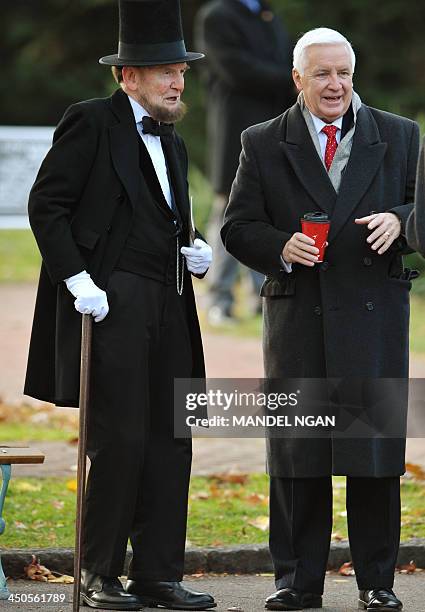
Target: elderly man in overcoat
column 247, row 73
column 110, row 212
column 346, row 318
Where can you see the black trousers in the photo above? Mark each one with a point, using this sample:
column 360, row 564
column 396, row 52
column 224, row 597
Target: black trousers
column 139, row 474
column 301, row 525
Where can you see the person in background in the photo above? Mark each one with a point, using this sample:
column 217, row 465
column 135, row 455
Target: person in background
column 415, row 228
column 247, row 75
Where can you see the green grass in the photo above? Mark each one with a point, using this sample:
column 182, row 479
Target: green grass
column 11, row 432
column 417, row 325
column 19, row 256
column 40, row 512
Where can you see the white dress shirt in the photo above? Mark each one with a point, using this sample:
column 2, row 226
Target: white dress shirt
column 154, row 147
column 319, row 125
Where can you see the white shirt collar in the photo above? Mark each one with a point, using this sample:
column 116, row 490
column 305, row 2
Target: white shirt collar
column 138, row 111
column 319, row 124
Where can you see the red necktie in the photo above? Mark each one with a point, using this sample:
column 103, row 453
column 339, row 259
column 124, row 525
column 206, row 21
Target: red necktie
column 331, row 145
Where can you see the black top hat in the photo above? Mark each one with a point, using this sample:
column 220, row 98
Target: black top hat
column 151, row 33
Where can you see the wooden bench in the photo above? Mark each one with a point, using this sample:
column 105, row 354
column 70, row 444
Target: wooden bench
column 9, row 456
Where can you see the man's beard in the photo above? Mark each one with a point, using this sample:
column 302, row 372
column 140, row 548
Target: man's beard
column 165, row 115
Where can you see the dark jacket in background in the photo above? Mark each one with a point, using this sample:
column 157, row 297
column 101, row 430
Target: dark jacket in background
column 415, row 230
column 248, row 73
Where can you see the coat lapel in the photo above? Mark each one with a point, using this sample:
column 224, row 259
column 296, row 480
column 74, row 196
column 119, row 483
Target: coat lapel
column 125, row 147
column 178, row 178
column 301, row 153
column 366, row 156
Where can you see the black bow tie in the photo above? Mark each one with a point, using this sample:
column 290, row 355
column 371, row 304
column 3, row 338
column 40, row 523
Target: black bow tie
column 150, row 126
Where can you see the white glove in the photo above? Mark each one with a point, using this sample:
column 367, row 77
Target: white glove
column 198, row 257
column 90, row 299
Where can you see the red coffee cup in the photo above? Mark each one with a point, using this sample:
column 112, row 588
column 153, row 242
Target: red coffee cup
column 316, row 225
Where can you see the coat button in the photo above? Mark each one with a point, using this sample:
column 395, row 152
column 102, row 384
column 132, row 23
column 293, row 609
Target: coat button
column 370, row 306
column 324, row 266
column 318, row 310
column 367, row 261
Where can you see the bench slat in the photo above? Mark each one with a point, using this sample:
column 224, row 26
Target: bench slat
column 20, row 455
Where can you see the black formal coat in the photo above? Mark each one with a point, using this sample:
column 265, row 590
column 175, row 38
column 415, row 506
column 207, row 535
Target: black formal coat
column 81, row 209
column 248, row 78
column 347, row 318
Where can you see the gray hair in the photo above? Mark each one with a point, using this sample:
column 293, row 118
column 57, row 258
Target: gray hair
column 319, row 36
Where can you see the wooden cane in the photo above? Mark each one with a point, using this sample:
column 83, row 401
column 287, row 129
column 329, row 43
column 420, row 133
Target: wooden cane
column 86, row 334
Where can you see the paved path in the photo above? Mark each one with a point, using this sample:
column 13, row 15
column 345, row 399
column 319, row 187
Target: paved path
column 242, row 593
column 226, row 356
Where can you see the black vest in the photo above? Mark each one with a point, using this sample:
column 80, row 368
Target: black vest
column 151, row 247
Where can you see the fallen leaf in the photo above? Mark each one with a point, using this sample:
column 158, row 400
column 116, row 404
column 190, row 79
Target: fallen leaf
column 409, row 568
column 71, row 485
column 258, row 498
column 58, row 504
column 35, row 571
column 416, row 471
column 24, row 486
column 261, row 522
column 346, row 569
column 233, row 478
column 336, row 536
column 20, row 525
column 73, row 441
column 200, row 495
column 62, row 579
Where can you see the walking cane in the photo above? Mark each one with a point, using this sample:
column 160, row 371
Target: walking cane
column 86, row 332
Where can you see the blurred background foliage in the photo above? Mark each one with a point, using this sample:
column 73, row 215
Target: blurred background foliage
column 50, row 51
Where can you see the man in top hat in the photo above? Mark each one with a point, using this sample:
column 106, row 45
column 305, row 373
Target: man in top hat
column 345, row 319
column 110, row 212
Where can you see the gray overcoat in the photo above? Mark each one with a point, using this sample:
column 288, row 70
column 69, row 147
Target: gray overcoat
column 348, row 317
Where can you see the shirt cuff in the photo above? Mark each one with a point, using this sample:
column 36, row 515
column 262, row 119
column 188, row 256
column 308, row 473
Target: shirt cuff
column 287, row 267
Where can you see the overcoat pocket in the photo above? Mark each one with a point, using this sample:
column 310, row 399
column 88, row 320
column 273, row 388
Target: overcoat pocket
column 278, row 286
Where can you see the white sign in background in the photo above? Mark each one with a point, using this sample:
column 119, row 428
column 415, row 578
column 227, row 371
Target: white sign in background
column 22, row 149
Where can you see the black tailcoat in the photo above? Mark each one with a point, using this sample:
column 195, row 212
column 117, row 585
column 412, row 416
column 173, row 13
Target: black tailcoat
column 348, row 317
column 248, row 75
column 81, row 210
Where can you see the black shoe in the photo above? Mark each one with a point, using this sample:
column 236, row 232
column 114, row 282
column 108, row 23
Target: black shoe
column 169, row 595
column 106, row 593
column 379, row 599
column 293, row 599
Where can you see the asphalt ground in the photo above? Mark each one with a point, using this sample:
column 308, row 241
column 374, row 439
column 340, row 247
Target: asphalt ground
column 238, row 593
